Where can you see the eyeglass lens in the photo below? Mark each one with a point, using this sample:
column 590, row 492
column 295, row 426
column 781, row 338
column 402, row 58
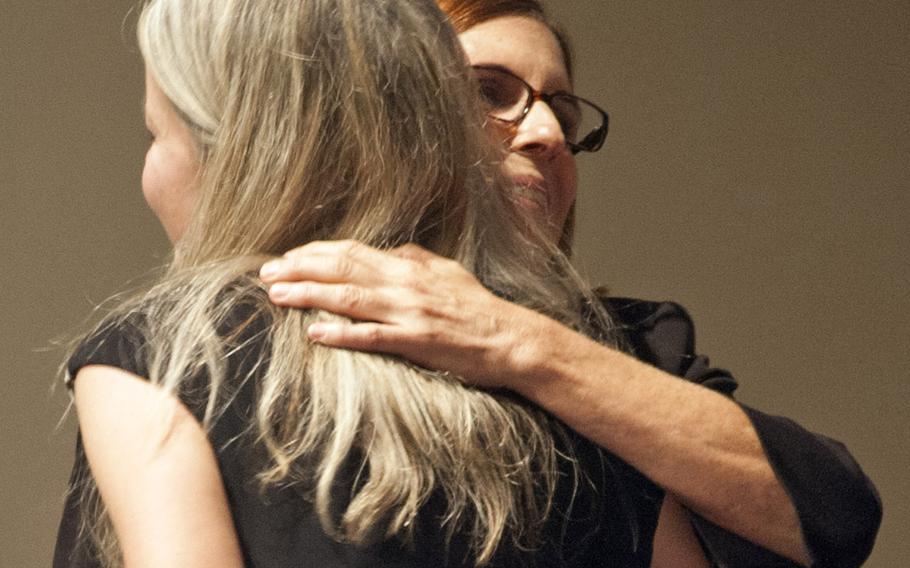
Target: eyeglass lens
column 508, row 97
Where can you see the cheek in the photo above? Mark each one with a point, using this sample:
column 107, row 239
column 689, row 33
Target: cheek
column 152, row 179
column 498, row 134
column 167, row 185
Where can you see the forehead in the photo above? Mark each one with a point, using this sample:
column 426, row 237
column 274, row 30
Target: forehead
column 523, row 45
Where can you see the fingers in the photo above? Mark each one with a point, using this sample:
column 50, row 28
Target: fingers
column 355, row 251
column 321, row 268
column 419, row 260
column 372, row 337
column 413, row 252
column 331, row 262
column 342, row 299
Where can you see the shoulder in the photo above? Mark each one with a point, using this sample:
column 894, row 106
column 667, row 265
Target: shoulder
column 665, row 316
column 116, row 343
column 131, row 339
column 662, row 334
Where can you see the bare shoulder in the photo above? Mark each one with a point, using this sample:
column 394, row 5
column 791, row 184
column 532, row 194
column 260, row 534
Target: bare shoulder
column 156, row 471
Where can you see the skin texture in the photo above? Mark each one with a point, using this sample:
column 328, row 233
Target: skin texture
column 171, row 163
column 675, row 543
column 698, row 445
column 137, row 437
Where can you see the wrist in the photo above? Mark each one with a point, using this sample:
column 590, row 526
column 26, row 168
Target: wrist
column 539, row 350
column 517, row 352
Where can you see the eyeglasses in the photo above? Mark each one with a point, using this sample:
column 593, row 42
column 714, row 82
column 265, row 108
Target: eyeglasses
column 509, row 100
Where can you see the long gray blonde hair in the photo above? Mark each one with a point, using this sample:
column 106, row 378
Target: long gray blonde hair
column 346, row 119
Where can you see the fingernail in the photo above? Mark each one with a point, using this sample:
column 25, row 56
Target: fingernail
column 279, row 291
column 269, row 269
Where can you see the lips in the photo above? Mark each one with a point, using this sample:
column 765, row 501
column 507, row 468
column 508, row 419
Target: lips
column 531, row 191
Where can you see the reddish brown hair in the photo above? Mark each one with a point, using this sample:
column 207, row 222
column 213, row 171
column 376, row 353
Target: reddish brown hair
column 465, row 14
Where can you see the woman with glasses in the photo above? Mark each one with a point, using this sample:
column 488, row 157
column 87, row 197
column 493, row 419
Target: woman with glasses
column 731, row 486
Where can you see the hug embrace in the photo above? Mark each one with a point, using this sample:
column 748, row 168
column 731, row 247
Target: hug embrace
column 370, row 347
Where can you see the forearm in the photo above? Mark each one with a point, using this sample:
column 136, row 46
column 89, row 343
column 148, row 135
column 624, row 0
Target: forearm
column 696, row 444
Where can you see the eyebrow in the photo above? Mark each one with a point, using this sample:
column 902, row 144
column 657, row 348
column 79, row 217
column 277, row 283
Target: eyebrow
column 497, row 67
column 505, row 69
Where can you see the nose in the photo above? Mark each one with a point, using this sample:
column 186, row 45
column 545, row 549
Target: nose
column 540, row 133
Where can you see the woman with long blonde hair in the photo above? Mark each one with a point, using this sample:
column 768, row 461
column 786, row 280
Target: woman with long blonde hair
column 212, row 431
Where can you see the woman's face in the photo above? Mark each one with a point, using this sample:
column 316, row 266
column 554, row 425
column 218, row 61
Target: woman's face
column 171, row 163
column 538, row 160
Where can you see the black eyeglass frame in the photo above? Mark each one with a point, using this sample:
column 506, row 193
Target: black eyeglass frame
column 599, row 134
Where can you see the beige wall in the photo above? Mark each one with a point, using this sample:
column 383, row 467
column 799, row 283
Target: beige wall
column 756, row 172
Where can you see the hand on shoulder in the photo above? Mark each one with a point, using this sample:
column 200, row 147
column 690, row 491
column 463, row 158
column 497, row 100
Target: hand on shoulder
column 408, row 302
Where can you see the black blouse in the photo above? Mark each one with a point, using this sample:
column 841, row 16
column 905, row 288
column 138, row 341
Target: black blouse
column 610, row 521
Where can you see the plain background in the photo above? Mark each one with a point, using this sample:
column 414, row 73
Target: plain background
column 756, row 172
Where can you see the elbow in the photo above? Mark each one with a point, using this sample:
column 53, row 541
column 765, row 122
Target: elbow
column 846, row 539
